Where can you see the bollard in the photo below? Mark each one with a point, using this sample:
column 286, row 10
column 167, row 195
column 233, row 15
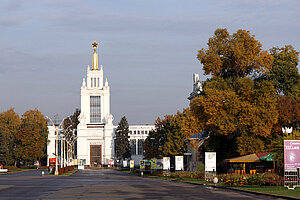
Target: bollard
column 43, row 173
column 142, row 173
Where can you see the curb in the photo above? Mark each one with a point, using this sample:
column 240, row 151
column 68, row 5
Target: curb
column 70, row 174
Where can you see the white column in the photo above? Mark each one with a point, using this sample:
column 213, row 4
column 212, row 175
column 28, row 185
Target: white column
column 136, row 147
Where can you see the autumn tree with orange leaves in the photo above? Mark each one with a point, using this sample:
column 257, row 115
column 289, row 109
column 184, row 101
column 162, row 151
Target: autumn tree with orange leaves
column 237, row 105
column 10, row 123
column 32, row 137
column 237, row 55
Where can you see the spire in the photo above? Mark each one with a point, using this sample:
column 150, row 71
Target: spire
column 95, row 56
column 106, row 82
column 83, row 82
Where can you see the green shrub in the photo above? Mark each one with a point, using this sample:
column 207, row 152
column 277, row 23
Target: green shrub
column 11, row 168
column 232, row 179
column 188, row 174
column 29, row 167
column 264, row 179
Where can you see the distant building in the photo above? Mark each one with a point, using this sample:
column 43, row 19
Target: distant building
column 197, row 87
column 96, row 132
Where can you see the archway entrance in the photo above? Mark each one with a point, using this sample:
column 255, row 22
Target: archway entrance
column 95, row 155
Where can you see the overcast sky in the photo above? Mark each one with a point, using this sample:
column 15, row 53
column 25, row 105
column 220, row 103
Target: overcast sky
column 148, row 49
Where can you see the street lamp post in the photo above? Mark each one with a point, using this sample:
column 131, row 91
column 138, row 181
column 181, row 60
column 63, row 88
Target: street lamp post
column 61, row 136
column 56, row 154
column 65, row 152
column 63, row 149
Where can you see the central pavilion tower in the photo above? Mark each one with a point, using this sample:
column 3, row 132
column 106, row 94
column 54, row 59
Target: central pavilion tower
column 95, row 130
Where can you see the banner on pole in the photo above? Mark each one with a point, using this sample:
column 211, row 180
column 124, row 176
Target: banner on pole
column 142, row 164
column 131, row 164
column 179, row 163
column 153, row 163
column 166, row 163
column 124, row 163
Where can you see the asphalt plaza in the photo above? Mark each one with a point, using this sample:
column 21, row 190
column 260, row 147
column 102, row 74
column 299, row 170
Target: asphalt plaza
column 107, row 184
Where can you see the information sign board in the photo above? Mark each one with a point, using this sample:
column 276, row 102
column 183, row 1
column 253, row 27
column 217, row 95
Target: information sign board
column 153, row 163
column 179, row 163
column 142, row 164
column 131, row 164
column 166, row 163
column 124, row 163
column 210, row 162
column 291, row 155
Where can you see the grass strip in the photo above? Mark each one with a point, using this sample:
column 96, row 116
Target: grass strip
column 279, row 190
column 69, row 172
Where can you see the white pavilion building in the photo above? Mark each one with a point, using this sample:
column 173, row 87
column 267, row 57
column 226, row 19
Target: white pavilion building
column 96, row 132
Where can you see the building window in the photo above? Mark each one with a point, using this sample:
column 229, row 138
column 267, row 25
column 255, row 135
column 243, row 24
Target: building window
column 132, row 147
column 130, row 132
column 95, row 84
column 98, row 82
column 142, row 132
column 138, row 132
column 140, row 146
column 134, row 132
column 146, row 132
column 95, row 109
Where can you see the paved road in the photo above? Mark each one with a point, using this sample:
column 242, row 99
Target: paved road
column 105, row 184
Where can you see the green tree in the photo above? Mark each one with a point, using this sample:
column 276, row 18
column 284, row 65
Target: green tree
column 32, row 138
column 69, row 130
column 236, row 55
column 3, row 149
column 170, row 135
column 176, row 142
column 10, row 123
column 153, row 144
column 284, row 74
column 72, row 121
column 122, row 148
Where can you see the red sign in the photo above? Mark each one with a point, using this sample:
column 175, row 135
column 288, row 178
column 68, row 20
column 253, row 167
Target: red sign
column 52, row 161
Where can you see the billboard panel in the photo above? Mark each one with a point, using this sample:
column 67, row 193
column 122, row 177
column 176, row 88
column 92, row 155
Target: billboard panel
column 291, row 155
column 178, row 163
column 142, row 164
column 124, row 163
column 131, row 164
column 153, row 163
column 210, row 161
column 166, row 163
